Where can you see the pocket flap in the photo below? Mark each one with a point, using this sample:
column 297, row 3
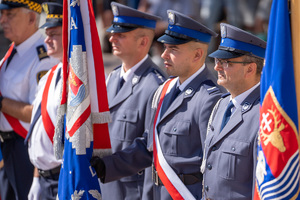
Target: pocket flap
column 177, row 128
column 236, row 147
column 127, row 115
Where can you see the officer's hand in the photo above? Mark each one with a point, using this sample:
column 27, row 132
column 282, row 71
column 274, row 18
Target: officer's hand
column 99, row 166
column 35, row 190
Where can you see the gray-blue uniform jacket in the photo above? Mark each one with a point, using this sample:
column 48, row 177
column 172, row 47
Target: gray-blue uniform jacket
column 128, row 110
column 231, row 153
column 182, row 131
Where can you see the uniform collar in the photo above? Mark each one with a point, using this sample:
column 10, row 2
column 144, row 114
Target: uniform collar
column 129, row 74
column 187, row 81
column 24, row 46
column 238, row 100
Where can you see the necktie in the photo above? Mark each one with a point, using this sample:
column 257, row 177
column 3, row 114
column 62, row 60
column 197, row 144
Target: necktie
column 227, row 115
column 35, row 118
column 169, row 99
column 14, row 51
column 121, row 82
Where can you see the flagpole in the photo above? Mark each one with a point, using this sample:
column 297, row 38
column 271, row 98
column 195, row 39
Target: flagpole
column 295, row 20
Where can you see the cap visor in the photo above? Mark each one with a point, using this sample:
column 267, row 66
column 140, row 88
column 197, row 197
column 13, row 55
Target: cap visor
column 119, row 29
column 50, row 25
column 5, row 7
column 222, row 54
column 167, row 39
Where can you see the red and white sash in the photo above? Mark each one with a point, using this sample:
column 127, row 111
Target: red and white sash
column 47, row 122
column 169, row 178
column 14, row 122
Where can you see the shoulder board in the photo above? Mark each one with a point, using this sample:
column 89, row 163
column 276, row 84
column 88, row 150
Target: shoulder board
column 225, row 95
column 40, row 75
column 117, row 67
column 158, row 75
column 210, row 87
column 41, row 51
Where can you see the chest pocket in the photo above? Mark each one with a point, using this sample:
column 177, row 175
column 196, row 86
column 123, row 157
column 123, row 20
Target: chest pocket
column 235, row 161
column 175, row 134
column 127, row 122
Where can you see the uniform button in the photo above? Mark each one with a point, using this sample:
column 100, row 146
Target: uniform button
column 206, row 188
column 124, row 116
column 214, row 148
column 233, row 148
column 209, row 166
column 140, row 172
column 174, row 129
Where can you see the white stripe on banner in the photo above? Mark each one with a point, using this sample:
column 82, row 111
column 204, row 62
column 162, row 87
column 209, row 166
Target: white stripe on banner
column 90, row 58
column 284, row 180
column 172, row 176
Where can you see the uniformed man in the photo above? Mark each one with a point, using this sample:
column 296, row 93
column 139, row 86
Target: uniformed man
column 129, row 87
column 180, row 111
column 41, row 132
column 230, row 145
column 21, row 69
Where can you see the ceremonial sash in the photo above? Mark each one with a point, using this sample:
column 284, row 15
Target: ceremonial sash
column 14, row 122
column 7, row 54
column 169, row 178
column 47, row 122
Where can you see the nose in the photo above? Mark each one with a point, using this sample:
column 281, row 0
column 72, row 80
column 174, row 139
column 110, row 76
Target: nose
column 2, row 18
column 47, row 39
column 165, row 55
column 218, row 66
column 112, row 38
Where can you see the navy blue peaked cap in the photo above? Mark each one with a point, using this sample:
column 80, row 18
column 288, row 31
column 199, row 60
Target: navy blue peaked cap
column 183, row 29
column 54, row 12
column 34, row 5
column 236, row 42
column 127, row 19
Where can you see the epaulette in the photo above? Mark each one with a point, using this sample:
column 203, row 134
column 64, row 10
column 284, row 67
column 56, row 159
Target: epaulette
column 40, row 75
column 41, row 51
column 116, row 68
column 158, row 75
column 225, row 95
column 210, row 87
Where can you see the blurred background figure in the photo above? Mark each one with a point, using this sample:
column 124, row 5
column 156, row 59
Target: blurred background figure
column 21, row 69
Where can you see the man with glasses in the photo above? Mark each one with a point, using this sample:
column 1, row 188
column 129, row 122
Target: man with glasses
column 230, row 146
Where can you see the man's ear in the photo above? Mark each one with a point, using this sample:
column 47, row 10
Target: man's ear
column 198, row 54
column 250, row 69
column 32, row 18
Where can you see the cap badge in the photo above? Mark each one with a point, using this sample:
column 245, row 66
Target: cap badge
column 171, row 17
column 115, row 10
column 45, row 8
column 223, row 31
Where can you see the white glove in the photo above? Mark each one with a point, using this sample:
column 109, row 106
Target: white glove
column 35, row 190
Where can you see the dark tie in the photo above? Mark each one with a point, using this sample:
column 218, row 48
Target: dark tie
column 35, row 118
column 169, row 99
column 121, row 82
column 227, row 115
column 14, row 51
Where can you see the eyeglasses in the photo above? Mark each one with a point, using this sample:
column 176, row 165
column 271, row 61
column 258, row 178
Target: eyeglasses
column 225, row 63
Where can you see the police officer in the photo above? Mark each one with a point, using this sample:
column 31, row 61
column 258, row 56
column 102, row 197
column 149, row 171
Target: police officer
column 129, row 87
column 41, row 132
column 230, row 145
column 180, row 111
column 21, row 69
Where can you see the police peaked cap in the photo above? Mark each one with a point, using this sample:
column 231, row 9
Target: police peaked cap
column 236, row 42
column 127, row 19
column 183, row 29
column 54, row 12
column 34, row 5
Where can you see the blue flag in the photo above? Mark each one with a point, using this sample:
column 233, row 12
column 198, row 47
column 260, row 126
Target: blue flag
column 84, row 106
column 277, row 172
